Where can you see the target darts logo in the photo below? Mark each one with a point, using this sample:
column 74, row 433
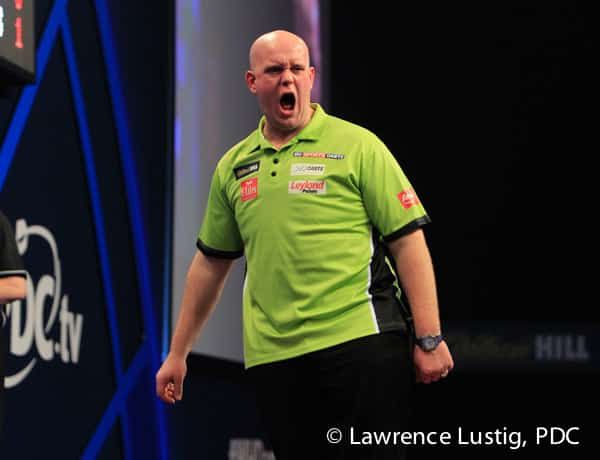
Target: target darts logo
column 408, row 198
column 41, row 325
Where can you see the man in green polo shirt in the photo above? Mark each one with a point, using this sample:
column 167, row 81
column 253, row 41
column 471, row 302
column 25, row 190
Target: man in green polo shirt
column 326, row 219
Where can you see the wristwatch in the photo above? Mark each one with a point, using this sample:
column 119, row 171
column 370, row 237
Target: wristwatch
column 429, row 342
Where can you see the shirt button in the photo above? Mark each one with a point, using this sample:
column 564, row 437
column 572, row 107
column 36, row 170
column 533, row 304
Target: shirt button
column 273, row 174
column 275, row 160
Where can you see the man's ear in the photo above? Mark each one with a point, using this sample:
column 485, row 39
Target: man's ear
column 251, row 81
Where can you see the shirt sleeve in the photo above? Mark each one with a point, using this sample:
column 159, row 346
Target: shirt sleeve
column 219, row 233
column 10, row 260
column 391, row 201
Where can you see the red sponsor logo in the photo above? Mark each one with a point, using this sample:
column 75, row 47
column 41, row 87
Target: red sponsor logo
column 312, row 154
column 307, row 186
column 408, row 198
column 330, row 156
column 249, row 189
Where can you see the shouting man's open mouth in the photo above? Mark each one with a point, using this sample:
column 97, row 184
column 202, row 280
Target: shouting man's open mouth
column 287, row 102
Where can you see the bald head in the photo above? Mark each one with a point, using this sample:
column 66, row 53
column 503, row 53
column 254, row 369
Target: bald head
column 272, row 42
column 281, row 78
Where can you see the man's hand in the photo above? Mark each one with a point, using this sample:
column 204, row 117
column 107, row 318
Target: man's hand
column 430, row 366
column 169, row 379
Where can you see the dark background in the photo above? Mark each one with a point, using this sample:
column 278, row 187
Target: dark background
column 488, row 110
column 487, row 106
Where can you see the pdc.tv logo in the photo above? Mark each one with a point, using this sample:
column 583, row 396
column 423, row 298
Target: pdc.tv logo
column 41, row 327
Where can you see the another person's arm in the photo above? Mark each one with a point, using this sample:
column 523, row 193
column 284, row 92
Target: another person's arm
column 13, row 281
column 415, row 269
column 12, row 288
column 204, row 284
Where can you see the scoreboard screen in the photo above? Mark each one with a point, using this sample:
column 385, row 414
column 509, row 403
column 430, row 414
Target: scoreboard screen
column 17, row 48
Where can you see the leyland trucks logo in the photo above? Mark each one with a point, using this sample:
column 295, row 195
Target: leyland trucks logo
column 33, row 335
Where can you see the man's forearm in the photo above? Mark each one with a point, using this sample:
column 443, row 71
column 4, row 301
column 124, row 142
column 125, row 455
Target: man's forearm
column 415, row 269
column 203, row 286
column 12, row 288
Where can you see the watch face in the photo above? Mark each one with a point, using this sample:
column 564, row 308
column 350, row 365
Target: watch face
column 429, row 342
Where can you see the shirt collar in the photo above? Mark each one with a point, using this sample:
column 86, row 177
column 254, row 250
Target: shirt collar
column 312, row 131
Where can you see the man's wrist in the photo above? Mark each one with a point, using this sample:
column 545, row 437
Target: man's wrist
column 178, row 354
column 429, row 342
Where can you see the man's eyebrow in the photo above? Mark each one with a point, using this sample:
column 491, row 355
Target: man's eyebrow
column 273, row 67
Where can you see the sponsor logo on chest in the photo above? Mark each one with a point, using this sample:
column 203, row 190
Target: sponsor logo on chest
column 307, row 169
column 318, row 187
column 328, row 156
column 245, row 170
column 249, row 189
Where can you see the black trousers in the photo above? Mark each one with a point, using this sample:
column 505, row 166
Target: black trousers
column 308, row 403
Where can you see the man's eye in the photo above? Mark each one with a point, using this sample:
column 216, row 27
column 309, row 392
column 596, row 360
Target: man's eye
column 297, row 68
column 273, row 70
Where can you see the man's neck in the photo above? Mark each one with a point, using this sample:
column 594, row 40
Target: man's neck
column 279, row 138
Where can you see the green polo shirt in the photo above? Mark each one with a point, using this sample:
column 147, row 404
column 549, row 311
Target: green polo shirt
column 311, row 219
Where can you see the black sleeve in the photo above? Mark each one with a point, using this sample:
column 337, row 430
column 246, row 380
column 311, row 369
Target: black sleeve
column 409, row 228
column 208, row 251
column 10, row 260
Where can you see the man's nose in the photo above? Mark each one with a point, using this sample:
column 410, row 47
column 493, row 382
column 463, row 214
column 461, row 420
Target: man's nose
column 287, row 76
